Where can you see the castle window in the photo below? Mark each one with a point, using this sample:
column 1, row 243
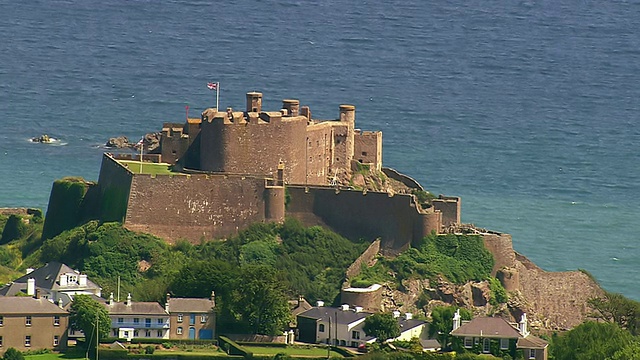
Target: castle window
column 310, row 159
column 364, row 153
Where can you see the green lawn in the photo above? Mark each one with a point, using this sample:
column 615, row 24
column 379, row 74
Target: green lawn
column 290, row 350
column 147, row 168
column 68, row 355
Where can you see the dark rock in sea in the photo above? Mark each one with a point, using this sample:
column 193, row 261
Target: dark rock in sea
column 41, row 139
column 119, row 142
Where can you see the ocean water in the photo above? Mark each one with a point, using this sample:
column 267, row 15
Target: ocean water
column 528, row 110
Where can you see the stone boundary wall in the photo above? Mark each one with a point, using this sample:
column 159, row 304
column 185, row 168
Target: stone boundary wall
column 14, row 211
column 408, row 181
column 501, row 246
column 366, row 257
column 196, row 207
column 369, row 215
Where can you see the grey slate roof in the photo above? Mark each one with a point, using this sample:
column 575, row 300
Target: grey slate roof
column 190, row 305
column 341, row 316
column 487, row 327
column 13, row 289
column 432, row 344
column 19, row 305
column 48, row 276
column 136, row 308
column 409, row 324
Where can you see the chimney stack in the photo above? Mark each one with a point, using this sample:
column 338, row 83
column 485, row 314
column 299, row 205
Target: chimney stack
column 82, row 280
column 456, row 320
column 319, row 303
column 29, row 271
column 31, row 286
column 166, row 304
column 63, row 280
column 129, row 299
column 111, row 299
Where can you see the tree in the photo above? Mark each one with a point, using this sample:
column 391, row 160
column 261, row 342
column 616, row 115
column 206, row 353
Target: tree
column 13, row 354
column 590, row 341
column 442, row 322
column 84, row 312
column 258, row 299
column 382, row 326
column 617, row 309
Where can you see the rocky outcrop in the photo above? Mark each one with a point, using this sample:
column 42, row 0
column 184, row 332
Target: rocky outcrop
column 150, row 141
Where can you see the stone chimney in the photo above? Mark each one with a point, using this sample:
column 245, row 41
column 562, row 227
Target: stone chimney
column 63, row 280
column 344, row 307
column 408, row 316
column 213, row 299
column 29, row 271
column 31, row 286
column 111, row 299
column 523, row 326
column 396, row 314
column 358, row 309
column 128, row 300
column 319, row 303
column 60, row 304
column 166, row 304
column 37, row 295
column 82, row 280
column 456, row 320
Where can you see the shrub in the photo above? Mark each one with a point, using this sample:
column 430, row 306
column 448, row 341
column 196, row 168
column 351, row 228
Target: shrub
column 149, row 349
column 13, row 354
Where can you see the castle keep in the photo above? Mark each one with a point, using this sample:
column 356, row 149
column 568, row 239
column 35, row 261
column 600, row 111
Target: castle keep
column 231, row 169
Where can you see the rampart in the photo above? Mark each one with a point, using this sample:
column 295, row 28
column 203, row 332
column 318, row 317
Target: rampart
column 201, row 206
column 395, row 219
column 406, row 180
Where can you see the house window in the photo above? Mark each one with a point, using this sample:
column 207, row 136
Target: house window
column 321, row 328
column 355, row 335
column 1, row 320
column 354, row 344
column 136, row 320
column 159, row 333
column 120, row 320
column 203, row 318
column 147, row 333
column 136, row 333
column 486, row 346
column 115, row 332
column 147, row 322
column 27, row 341
column 504, row 344
column 56, row 321
column 27, row 321
column 0, row 341
column 179, row 331
column 192, row 319
column 532, row 353
column 160, row 321
column 56, row 340
column 179, row 317
column 468, row 342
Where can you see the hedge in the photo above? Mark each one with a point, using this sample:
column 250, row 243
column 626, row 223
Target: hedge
column 135, row 341
column 233, row 348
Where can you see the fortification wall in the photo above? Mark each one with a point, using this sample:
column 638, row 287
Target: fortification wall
column 558, row 298
column 318, row 154
column 369, row 215
column 408, row 181
column 370, row 299
column 114, row 183
column 368, row 148
column 450, row 207
column 501, row 246
column 366, row 258
column 255, row 147
column 196, row 206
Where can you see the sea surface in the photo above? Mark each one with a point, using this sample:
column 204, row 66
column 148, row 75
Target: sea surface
column 528, row 110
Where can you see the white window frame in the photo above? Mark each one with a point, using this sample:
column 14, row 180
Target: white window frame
column 532, row 353
column 27, row 341
column 147, row 333
column 355, row 334
column 159, row 333
column 56, row 320
column 56, row 340
column 468, row 342
column 486, row 346
column 1, row 320
column 504, row 344
column 27, row 320
column 179, row 330
column 203, row 318
column 179, row 318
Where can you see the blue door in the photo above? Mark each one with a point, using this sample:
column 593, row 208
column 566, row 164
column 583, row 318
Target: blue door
column 192, row 332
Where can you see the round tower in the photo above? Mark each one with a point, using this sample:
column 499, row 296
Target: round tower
column 254, row 101
column 292, row 106
column 348, row 115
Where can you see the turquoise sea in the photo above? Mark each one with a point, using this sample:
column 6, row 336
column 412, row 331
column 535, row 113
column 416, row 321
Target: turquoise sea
column 528, row 110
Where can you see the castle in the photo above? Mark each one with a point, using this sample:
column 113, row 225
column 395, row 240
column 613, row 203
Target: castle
column 232, row 169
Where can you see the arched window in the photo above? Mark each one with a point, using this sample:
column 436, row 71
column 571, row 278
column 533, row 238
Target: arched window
column 321, row 328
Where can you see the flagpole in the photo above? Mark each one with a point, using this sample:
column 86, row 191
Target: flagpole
column 141, row 149
column 217, row 95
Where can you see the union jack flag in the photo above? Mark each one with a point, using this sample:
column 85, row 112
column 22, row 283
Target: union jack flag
column 212, row 86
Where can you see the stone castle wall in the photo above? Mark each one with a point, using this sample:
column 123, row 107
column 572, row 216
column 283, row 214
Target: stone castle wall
column 366, row 258
column 199, row 206
column 394, row 219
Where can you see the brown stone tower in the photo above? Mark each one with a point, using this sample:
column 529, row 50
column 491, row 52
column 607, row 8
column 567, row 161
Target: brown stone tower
column 348, row 115
column 292, row 106
column 254, row 102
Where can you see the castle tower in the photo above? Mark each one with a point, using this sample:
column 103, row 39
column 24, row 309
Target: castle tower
column 348, row 115
column 292, row 106
column 254, row 101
